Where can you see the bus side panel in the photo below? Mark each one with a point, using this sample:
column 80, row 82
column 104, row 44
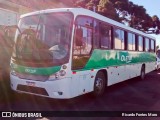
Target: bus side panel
column 83, row 82
column 150, row 66
column 122, row 73
column 116, row 74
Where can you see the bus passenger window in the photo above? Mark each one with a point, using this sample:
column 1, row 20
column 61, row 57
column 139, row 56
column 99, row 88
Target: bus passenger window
column 146, row 44
column 131, row 41
column 105, row 32
column 84, row 43
column 140, row 43
column 119, row 39
column 152, row 46
column 96, row 36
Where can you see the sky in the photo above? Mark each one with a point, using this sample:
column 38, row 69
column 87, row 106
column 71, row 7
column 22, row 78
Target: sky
column 152, row 8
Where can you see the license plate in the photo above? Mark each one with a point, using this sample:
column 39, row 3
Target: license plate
column 31, row 83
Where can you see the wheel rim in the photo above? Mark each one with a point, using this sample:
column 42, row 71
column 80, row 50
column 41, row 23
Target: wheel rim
column 98, row 85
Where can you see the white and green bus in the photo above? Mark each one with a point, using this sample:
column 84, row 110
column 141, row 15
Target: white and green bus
column 67, row 52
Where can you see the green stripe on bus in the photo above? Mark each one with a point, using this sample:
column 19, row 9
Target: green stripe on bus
column 107, row 58
column 35, row 71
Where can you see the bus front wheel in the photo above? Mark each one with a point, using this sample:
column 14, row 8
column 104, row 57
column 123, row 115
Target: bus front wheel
column 99, row 84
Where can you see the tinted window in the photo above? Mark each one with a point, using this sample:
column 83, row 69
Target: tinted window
column 140, row 43
column 105, row 35
column 49, row 38
column 131, row 41
column 96, row 35
column 152, row 46
column 147, row 44
column 119, row 38
column 82, row 45
column 84, row 32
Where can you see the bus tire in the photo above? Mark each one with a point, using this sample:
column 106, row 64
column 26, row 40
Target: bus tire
column 99, row 84
column 142, row 75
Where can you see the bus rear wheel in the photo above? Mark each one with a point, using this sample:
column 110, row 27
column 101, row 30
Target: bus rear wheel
column 99, row 84
column 142, row 75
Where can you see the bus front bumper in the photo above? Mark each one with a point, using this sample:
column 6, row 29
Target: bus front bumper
column 60, row 89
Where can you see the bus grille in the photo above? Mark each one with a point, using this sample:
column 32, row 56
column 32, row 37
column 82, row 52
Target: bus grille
column 32, row 77
column 30, row 89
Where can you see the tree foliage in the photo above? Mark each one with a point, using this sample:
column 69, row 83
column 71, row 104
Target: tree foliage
column 135, row 15
column 103, row 7
column 156, row 24
column 123, row 11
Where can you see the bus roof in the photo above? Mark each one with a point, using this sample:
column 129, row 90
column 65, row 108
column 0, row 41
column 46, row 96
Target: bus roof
column 82, row 11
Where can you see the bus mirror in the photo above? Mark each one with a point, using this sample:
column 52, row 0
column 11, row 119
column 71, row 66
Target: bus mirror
column 79, row 36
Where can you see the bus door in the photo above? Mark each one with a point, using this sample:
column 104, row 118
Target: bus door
column 82, row 48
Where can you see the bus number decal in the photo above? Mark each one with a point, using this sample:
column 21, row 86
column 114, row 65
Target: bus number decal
column 30, row 70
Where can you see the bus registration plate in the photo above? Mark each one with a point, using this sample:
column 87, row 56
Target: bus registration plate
column 30, row 83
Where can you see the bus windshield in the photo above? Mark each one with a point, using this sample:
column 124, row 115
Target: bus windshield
column 44, row 37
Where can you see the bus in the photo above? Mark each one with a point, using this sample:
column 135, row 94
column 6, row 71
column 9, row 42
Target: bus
column 67, row 52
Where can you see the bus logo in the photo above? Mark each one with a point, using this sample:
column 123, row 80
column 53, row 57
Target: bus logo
column 126, row 59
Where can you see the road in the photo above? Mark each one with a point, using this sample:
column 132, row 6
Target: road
column 132, row 95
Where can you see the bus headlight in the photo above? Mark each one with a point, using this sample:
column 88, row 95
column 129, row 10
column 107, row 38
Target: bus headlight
column 13, row 72
column 62, row 73
column 58, row 75
column 64, row 67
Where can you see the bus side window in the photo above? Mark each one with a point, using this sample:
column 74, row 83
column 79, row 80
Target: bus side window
column 105, row 35
column 82, row 45
column 82, row 41
column 78, row 37
column 96, row 36
column 146, row 44
column 119, row 39
column 140, row 43
column 152, row 46
column 136, row 42
column 131, row 41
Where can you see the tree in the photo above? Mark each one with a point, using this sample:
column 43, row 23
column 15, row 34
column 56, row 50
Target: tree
column 132, row 14
column 157, row 47
column 106, row 8
column 80, row 3
column 156, row 24
column 92, row 5
column 103, row 7
column 125, row 12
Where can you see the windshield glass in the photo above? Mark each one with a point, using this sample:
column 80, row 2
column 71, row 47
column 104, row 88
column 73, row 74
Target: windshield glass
column 44, row 37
